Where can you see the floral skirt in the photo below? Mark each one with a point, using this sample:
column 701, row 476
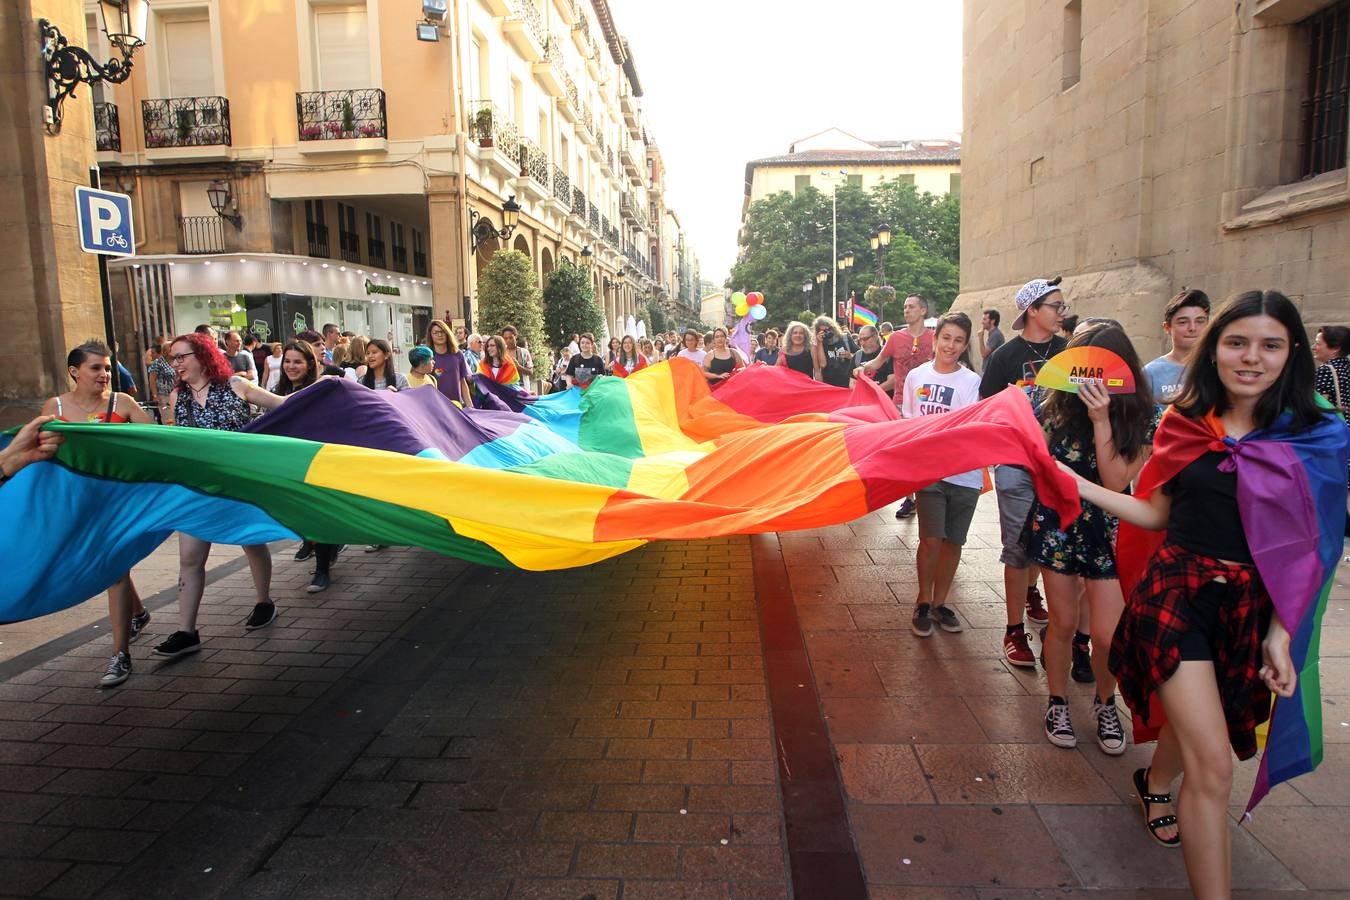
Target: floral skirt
column 1086, row 548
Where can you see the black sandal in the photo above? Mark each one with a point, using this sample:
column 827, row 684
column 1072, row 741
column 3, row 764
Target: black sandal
column 1145, row 800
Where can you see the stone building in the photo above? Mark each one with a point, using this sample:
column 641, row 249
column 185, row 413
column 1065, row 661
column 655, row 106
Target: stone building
column 1145, row 146
column 318, row 161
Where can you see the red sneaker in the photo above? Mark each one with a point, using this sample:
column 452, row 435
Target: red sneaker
column 1036, row 606
column 1017, row 650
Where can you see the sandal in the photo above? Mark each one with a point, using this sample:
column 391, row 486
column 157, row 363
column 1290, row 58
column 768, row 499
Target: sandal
column 1145, row 800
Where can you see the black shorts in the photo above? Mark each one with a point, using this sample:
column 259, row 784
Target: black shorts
column 1202, row 621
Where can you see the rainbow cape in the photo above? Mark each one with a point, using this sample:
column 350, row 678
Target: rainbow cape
column 1291, row 497
column 863, row 316
column 572, row 478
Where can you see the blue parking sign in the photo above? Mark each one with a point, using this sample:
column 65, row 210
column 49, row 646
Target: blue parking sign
column 105, row 222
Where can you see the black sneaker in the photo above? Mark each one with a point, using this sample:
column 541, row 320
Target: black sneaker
column 119, row 669
column 1082, row 664
column 305, row 552
column 263, row 615
column 922, row 623
column 1110, row 734
column 906, row 509
column 318, row 583
column 376, row 548
column 180, row 643
column 139, row 622
column 947, row 619
column 1058, row 728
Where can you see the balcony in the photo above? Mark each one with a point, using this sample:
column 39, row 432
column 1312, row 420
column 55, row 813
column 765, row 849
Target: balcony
column 497, row 136
column 534, row 170
column 593, row 217
column 420, row 262
column 317, row 235
column 186, row 127
column 375, row 252
column 569, row 101
column 628, row 156
column 107, row 128
column 398, row 257
column 568, row 11
column 581, row 31
column 628, row 105
column 549, row 70
column 579, row 205
column 341, row 121
column 201, row 234
column 349, row 244
column 524, row 28
column 562, row 186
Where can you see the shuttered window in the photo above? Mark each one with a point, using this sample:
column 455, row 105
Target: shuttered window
column 187, row 52
column 342, row 48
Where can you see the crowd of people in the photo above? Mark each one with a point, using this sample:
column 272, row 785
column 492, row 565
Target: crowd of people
column 1248, row 368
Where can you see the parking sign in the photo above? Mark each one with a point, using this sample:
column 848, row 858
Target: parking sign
column 105, row 222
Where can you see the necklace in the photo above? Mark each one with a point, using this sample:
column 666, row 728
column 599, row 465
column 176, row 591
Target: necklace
column 1043, row 355
column 88, row 413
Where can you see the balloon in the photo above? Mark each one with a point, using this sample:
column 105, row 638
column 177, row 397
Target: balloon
column 758, row 312
column 742, row 310
column 738, row 299
column 754, row 298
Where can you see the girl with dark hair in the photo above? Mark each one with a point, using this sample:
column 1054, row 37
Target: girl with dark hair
column 205, row 398
column 452, row 374
column 91, row 399
column 380, row 372
column 612, row 352
column 1103, row 438
column 768, row 354
column 629, row 360
column 1206, row 633
column 722, row 360
column 496, row 365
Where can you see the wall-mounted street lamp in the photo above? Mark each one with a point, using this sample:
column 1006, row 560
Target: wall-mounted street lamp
column 223, row 202
column 481, row 228
column 586, row 255
column 124, row 22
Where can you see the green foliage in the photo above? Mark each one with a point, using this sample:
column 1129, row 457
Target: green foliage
column 509, row 295
column 569, row 305
column 788, row 240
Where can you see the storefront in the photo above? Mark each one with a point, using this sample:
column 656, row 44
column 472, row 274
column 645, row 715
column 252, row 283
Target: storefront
column 276, row 297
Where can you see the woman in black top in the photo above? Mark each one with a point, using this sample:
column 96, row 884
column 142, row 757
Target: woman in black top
column 833, row 352
column 585, row 364
column 796, row 353
column 722, row 360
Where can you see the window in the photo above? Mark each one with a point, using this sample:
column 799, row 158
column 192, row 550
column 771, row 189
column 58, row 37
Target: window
column 1073, row 44
column 478, row 78
column 954, row 184
column 375, row 240
column 905, row 179
column 348, row 240
column 398, row 250
column 419, row 243
column 1326, row 101
column 342, row 45
column 316, row 230
column 855, row 180
column 189, row 69
column 801, row 183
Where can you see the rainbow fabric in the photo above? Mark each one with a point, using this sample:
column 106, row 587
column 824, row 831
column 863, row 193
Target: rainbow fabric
column 572, row 479
column 863, row 316
column 1291, row 497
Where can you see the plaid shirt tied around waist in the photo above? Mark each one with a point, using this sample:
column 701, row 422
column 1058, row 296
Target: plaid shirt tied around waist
column 1146, row 649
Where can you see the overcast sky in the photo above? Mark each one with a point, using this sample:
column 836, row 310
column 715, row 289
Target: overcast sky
column 728, row 81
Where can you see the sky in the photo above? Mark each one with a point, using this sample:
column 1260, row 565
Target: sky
column 728, row 81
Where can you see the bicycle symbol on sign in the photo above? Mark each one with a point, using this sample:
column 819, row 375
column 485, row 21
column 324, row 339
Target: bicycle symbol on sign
column 116, row 240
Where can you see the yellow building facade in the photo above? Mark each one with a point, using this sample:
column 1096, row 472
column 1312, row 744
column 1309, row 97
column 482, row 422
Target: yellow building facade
column 311, row 161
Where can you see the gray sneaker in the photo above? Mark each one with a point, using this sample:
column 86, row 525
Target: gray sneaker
column 139, row 622
column 947, row 619
column 922, row 623
column 119, row 669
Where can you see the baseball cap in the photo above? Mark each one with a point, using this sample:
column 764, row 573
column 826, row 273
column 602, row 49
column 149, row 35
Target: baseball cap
column 1032, row 291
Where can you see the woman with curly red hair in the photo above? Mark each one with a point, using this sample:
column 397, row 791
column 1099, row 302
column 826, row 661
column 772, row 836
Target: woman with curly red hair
column 203, row 398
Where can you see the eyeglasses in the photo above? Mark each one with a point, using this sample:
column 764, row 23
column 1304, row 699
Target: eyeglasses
column 179, row 357
column 1057, row 307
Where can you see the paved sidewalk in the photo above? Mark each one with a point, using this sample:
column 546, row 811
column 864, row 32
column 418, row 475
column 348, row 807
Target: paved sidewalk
column 952, row 787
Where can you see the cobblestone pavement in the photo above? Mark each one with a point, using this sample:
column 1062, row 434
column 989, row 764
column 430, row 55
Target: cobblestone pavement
column 732, row 718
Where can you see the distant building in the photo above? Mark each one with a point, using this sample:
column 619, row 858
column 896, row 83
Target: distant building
column 932, row 166
column 1146, row 146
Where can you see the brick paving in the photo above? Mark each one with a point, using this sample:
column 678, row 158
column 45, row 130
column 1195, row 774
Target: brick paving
column 431, row 728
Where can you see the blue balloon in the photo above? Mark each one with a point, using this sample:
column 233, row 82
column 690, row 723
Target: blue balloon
column 758, row 312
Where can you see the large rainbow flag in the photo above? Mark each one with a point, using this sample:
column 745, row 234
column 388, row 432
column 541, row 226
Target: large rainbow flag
column 1291, row 498
column 571, row 479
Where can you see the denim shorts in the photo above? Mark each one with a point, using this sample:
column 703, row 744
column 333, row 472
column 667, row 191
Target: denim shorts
column 945, row 511
column 1012, row 485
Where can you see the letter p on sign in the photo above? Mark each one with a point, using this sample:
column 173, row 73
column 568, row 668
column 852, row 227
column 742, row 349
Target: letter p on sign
column 105, row 222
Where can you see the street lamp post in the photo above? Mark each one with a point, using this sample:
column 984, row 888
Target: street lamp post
column 808, row 286
column 820, row 280
column 880, row 240
column 845, row 265
column 834, row 219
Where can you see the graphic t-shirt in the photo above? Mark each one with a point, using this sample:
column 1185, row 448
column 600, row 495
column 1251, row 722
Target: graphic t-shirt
column 930, row 393
column 1164, row 377
column 839, row 352
column 451, row 373
column 1017, row 363
column 584, row 369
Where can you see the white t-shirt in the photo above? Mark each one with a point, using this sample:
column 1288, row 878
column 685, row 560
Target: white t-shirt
column 694, row 356
column 929, row 393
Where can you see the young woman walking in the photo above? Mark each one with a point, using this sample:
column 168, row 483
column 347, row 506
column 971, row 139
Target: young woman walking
column 1205, row 636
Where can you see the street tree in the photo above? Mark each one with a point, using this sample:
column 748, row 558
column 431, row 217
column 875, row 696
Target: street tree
column 509, row 295
column 569, row 305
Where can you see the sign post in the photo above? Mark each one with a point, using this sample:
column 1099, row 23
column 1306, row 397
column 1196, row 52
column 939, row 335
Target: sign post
column 105, row 230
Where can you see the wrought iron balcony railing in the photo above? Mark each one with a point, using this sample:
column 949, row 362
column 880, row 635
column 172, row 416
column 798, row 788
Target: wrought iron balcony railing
column 489, row 125
column 420, row 262
column 375, row 251
column 593, row 217
column 317, row 234
column 335, row 115
column 186, row 122
column 604, row 226
column 578, row 203
column 562, row 185
column 349, row 243
column 107, row 127
column 534, row 160
column 398, row 257
column 201, row 234
column 530, row 13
